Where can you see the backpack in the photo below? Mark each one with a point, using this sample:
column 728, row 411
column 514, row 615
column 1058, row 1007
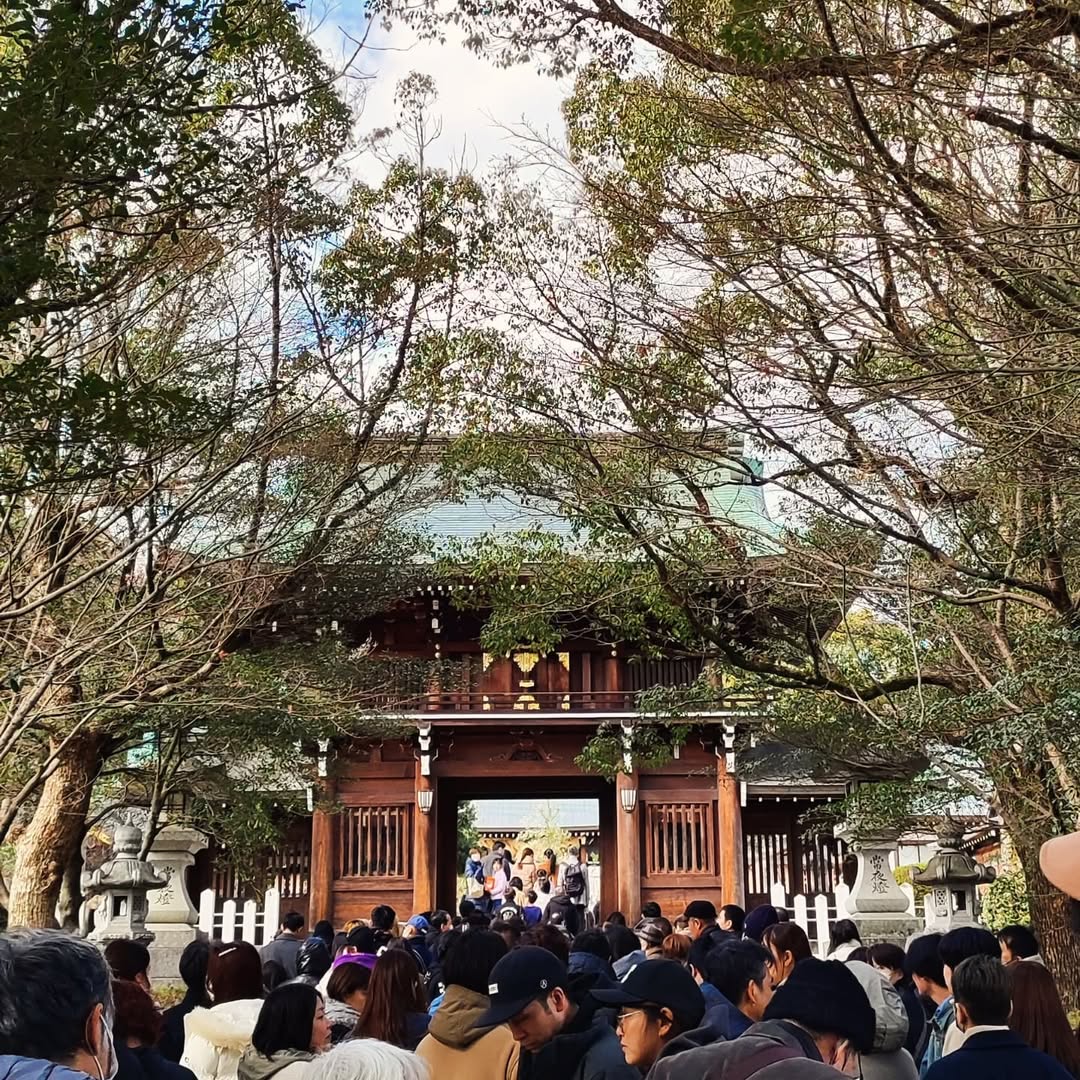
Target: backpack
column 574, row 881
column 313, row 958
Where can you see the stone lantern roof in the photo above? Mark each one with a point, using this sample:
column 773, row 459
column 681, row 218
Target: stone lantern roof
column 951, row 866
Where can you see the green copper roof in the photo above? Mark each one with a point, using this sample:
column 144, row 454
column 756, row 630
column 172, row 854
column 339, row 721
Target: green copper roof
column 474, row 515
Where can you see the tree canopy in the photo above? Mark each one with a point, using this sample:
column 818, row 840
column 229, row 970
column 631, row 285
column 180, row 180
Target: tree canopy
column 839, row 238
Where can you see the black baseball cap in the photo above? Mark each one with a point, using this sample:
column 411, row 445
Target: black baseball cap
column 701, row 909
column 519, row 978
column 659, row 982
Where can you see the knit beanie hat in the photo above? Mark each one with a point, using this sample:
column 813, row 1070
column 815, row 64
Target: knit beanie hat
column 759, row 920
column 825, row 997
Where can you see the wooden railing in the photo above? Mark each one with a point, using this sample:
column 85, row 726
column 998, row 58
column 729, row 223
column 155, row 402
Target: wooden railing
column 474, row 700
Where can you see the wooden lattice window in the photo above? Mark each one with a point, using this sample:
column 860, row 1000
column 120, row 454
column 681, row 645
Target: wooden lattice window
column 374, row 841
column 286, row 868
column 679, row 838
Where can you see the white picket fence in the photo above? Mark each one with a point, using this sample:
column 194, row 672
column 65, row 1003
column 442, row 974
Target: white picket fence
column 231, row 920
column 816, row 914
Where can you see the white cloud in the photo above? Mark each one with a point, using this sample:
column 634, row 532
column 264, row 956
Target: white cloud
column 478, row 102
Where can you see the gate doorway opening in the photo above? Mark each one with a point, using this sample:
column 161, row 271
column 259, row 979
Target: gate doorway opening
column 479, row 812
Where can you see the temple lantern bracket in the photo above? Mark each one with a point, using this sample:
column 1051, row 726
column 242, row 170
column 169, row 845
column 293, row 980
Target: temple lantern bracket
column 426, row 753
column 728, row 748
column 627, row 745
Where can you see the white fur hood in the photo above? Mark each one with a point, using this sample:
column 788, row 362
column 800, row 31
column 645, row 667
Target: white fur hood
column 228, row 1025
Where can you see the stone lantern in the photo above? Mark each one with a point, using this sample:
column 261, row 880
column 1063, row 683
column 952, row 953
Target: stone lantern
column 952, row 877
column 876, row 904
column 172, row 918
column 115, row 893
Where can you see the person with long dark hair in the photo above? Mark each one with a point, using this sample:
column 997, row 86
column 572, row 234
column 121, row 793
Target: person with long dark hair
column 215, row 1038
column 396, row 1007
column 292, row 1028
column 843, row 940
column 454, row 1047
column 787, row 944
column 193, row 961
column 1038, row 1016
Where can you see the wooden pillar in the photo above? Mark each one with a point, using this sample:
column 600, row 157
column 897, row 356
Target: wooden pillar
column 729, row 812
column 613, row 682
column 628, row 834
column 423, row 847
column 321, row 889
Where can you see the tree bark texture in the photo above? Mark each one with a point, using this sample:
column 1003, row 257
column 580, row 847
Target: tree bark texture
column 1030, row 824
column 70, row 899
column 55, row 831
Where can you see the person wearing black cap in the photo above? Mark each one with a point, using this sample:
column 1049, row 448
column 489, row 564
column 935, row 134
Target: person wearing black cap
column 700, row 918
column 560, row 1039
column 658, row 1001
column 817, row 1024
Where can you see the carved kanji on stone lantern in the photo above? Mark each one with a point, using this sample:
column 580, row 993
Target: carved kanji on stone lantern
column 876, row 903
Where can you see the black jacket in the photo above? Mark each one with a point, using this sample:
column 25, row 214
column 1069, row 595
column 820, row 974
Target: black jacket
column 997, row 1055
column 715, row 936
column 171, row 1043
column 586, row 1049
column 916, row 1032
column 127, row 1064
column 157, row 1067
column 776, row 1043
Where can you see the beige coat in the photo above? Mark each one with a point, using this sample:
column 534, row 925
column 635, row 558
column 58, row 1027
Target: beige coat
column 455, row 1050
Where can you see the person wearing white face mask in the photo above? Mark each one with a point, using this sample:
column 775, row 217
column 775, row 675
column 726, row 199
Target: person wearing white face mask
column 55, row 1008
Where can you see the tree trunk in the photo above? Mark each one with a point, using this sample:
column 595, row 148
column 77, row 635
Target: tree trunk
column 1050, row 915
column 55, row 831
column 1049, row 907
column 70, row 900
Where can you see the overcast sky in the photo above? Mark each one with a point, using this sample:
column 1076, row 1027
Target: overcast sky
column 477, row 101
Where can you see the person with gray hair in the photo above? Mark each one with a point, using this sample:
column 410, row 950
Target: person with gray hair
column 56, row 1010
column 367, row 1059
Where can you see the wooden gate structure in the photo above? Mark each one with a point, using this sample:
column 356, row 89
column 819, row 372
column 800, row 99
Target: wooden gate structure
column 469, row 724
column 513, row 727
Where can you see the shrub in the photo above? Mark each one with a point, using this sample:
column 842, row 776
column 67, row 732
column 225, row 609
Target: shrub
column 1006, row 901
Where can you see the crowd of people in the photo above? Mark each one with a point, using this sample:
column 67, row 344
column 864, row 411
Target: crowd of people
column 711, row 995
column 548, row 889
